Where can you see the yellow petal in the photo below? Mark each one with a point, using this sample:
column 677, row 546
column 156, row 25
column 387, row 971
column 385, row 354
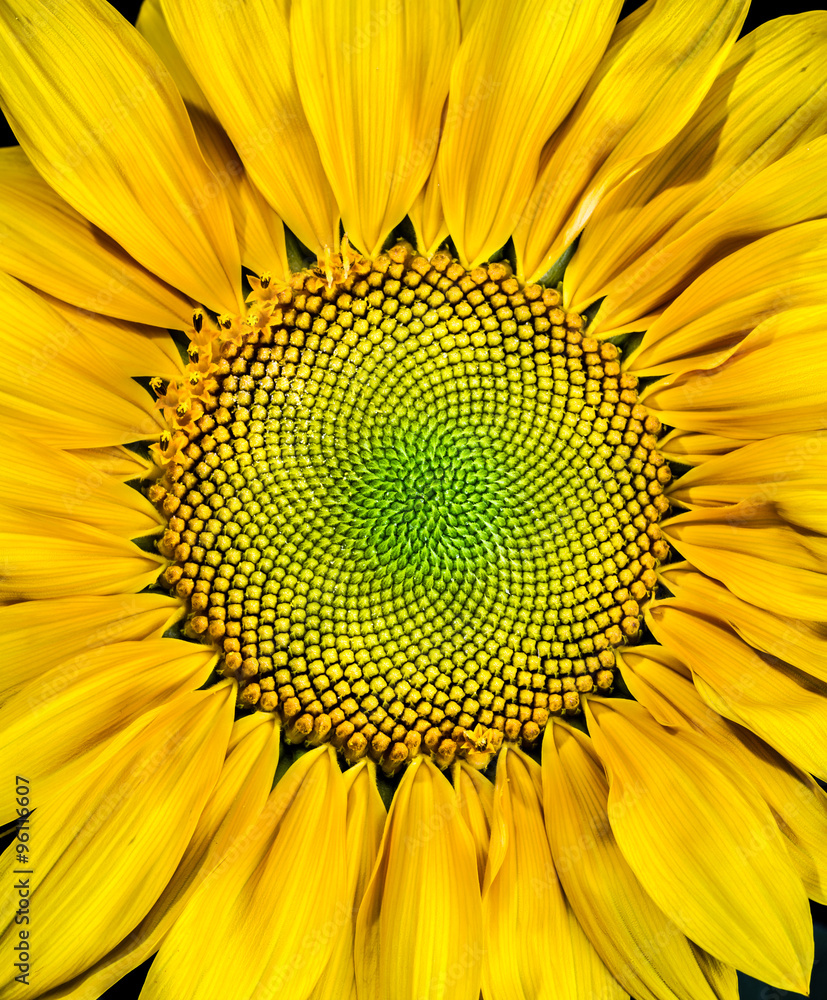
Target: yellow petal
column 419, row 932
column 259, row 230
column 764, row 472
column 760, row 107
column 266, row 898
column 744, row 546
column 117, row 461
column 786, row 471
column 254, row 95
column 52, row 557
column 85, row 700
column 519, row 70
column 475, row 797
column 612, row 906
column 112, row 837
column 801, row 643
column 704, row 325
column 36, row 478
column 782, row 705
column 692, row 448
column 766, row 387
column 373, row 77
column 705, row 850
column 468, row 10
column 659, row 65
column 536, row 949
column 798, row 804
column 37, row 635
column 59, row 385
column 783, row 194
column 365, row 823
column 153, row 26
column 233, row 805
column 46, row 243
column 99, row 117
column 130, row 349
column 427, row 218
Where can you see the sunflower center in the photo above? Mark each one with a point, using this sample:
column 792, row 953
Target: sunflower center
column 417, row 511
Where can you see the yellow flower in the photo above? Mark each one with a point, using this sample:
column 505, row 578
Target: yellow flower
column 412, row 499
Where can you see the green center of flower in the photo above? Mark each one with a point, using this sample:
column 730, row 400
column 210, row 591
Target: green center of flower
column 419, row 511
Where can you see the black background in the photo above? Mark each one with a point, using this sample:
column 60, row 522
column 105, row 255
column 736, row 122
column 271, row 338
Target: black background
column 130, row 987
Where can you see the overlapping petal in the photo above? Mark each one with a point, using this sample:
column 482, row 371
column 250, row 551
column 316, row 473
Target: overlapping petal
column 784, row 706
column 78, row 93
column 706, row 850
column 765, row 387
column 235, row 802
column 45, row 480
column 535, row 949
column 801, row 643
column 475, row 797
column 656, row 679
column 706, row 323
column 518, row 72
column 256, row 99
column 745, row 545
column 86, row 700
column 112, row 836
column 60, row 384
column 365, row 824
column 658, row 67
column 53, row 247
column 373, row 86
column 406, row 946
column 48, row 557
column 783, row 194
column 262, row 902
column 643, row 948
column 759, row 108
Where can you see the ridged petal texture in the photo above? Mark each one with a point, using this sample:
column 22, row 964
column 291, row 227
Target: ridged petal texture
column 53, row 247
column 234, row 804
column 760, row 107
column 114, row 832
column 365, row 824
column 784, row 706
column 745, row 545
column 263, row 902
column 99, row 117
column 656, row 679
column 88, row 699
column 764, row 387
column 519, row 71
column 419, row 931
column 63, row 387
column 706, row 323
column 258, row 228
column 706, row 849
column 535, row 948
column 784, row 193
column 240, row 55
column 475, row 797
column 658, row 67
column 37, row 635
column 642, row 947
column 802, row 644
column 373, row 86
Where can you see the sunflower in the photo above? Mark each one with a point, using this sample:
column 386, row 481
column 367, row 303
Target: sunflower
column 412, row 499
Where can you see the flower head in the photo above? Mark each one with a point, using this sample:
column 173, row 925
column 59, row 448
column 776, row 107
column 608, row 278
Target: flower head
column 412, row 498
